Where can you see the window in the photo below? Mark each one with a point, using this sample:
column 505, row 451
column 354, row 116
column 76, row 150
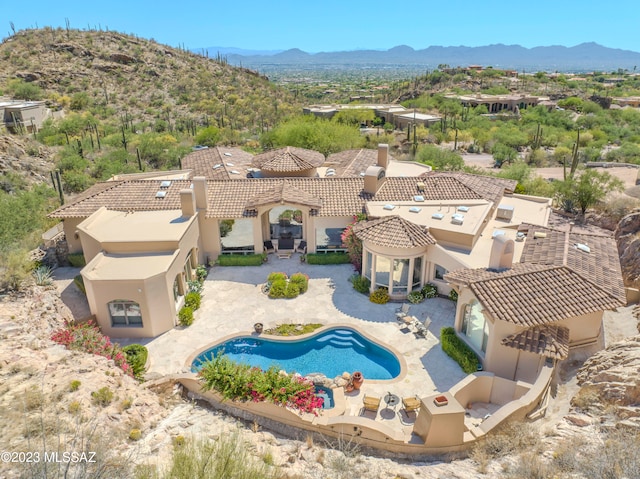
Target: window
column 400, row 276
column 440, row 272
column 417, row 272
column 474, row 326
column 368, row 265
column 125, row 313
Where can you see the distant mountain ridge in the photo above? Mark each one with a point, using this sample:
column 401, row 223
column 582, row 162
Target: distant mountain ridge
column 582, row 57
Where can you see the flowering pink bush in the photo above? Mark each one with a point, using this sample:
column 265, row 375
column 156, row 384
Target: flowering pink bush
column 88, row 338
column 245, row 383
column 353, row 245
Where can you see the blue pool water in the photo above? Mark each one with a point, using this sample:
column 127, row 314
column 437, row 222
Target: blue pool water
column 331, row 353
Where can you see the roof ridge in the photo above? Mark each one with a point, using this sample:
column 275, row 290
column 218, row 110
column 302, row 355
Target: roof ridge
column 82, row 198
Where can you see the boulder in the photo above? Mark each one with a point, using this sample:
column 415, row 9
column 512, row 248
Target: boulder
column 627, row 235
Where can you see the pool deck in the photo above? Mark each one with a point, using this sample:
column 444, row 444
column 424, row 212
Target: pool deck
column 233, row 302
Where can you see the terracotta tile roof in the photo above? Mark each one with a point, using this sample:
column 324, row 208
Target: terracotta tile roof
column 601, row 265
column 202, row 163
column 139, row 195
column 229, row 199
column 532, row 295
column 393, row 231
column 288, row 159
column 551, row 341
column 352, row 162
column 283, row 191
column 486, row 187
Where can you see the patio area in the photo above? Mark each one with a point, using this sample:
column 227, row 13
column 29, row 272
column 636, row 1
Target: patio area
column 233, row 302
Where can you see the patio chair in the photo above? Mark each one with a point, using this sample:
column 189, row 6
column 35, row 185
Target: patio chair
column 410, row 404
column 371, row 403
column 422, row 329
column 402, row 311
column 302, row 247
column 268, row 247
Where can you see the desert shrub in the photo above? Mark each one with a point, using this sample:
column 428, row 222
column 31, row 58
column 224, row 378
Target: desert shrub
column 78, row 280
column 458, row 350
column 361, row 284
column 74, row 385
column 185, row 316
column 292, row 291
column 301, row 280
column 195, row 286
column 276, row 276
column 76, row 260
column 135, row 434
column 192, row 300
column 415, row 297
column 430, row 290
column 379, row 296
column 453, row 295
column 74, row 407
column 240, row 260
column 278, row 289
column 137, row 357
column 507, row 440
column 33, row 398
column 42, row 275
column 102, row 397
column 328, row 258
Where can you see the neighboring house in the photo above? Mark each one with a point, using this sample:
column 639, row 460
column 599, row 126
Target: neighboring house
column 420, row 227
column 498, row 103
column 518, row 315
column 394, row 114
column 19, row 115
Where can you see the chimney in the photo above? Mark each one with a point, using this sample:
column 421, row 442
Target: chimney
column 187, row 203
column 373, row 179
column 501, row 253
column 200, row 189
column 383, row 155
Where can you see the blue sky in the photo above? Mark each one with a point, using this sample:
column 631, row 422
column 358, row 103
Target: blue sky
column 334, row 25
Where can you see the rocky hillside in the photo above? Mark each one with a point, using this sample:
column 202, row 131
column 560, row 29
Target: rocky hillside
column 112, row 75
column 23, row 161
column 628, row 237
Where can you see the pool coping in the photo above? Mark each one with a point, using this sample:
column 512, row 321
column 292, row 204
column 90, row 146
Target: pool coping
column 399, row 356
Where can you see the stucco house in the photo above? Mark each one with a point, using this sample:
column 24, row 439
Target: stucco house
column 142, row 238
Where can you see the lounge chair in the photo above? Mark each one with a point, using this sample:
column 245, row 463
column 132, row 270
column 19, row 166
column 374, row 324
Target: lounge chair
column 422, row 329
column 302, row 247
column 371, row 403
column 402, row 311
column 268, row 247
column 410, row 404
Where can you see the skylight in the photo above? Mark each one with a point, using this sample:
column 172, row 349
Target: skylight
column 215, row 167
column 226, row 153
column 582, row 247
column 437, row 216
column 464, row 209
column 161, row 194
column 165, row 184
column 418, row 198
column 457, row 219
column 388, row 207
column 230, row 164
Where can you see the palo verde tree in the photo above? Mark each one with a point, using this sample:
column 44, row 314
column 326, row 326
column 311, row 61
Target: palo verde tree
column 586, row 189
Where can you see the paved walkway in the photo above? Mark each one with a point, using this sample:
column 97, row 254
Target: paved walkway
column 233, row 302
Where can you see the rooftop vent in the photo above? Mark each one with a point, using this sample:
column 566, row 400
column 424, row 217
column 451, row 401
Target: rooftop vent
column 420, row 186
column 437, row 216
column 505, row 212
column 165, row 184
column 388, row 207
column 161, row 194
column 215, row 167
column 539, row 234
column 230, row 164
column 415, row 209
column 497, row 233
column 226, row 153
column 418, row 198
column 582, row 247
column 235, row 172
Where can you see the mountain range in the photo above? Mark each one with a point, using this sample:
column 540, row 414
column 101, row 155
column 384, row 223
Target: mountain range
column 582, row 57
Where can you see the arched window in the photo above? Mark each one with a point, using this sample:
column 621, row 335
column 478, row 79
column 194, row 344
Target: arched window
column 125, row 313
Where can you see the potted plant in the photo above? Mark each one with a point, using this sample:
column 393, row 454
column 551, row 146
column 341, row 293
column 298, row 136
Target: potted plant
column 441, row 400
column 258, row 327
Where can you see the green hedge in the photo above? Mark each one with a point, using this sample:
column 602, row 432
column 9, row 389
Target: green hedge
column 192, row 300
column 137, row 358
column 458, row 350
column 328, row 258
column 301, row 280
column 361, row 284
column 76, row 260
column 240, row 260
column 379, row 296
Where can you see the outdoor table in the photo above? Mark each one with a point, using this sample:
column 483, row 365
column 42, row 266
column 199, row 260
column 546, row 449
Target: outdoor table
column 391, row 400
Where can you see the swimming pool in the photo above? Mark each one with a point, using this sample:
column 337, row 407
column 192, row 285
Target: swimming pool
column 330, row 352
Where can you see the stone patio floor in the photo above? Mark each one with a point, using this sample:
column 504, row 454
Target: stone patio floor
column 233, row 302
